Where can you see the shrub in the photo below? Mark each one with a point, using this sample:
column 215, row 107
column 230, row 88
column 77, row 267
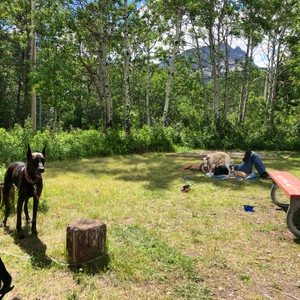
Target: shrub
column 10, row 148
column 78, row 143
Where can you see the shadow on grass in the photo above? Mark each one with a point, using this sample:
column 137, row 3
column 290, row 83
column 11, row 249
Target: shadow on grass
column 35, row 248
column 93, row 267
column 297, row 241
column 157, row 171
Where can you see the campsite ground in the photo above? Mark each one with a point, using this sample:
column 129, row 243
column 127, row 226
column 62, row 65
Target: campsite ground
column 162, row 243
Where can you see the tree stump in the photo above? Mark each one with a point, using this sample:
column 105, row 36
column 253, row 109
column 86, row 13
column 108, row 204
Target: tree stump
column 85, row 240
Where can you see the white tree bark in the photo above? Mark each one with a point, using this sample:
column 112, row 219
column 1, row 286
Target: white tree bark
column 175, row 52
column 126, row 70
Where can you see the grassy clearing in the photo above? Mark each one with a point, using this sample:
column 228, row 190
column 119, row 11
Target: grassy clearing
column 162, row 243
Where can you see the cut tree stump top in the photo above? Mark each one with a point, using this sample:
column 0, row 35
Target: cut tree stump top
column 85, row 224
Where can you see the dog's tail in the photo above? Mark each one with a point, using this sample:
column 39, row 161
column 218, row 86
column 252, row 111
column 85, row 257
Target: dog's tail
column 11, row 195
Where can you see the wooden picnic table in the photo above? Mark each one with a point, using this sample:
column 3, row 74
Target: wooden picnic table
column 290, row 185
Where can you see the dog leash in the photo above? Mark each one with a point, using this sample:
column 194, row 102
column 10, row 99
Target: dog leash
column 54, row 260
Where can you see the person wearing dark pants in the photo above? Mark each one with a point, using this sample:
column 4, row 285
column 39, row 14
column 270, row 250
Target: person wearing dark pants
column 6, row 279
column 250, row 159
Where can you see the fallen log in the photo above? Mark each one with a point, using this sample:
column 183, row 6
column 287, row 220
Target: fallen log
column 232, row 155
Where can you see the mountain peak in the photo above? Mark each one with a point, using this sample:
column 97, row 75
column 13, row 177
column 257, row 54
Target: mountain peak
column 236, row 55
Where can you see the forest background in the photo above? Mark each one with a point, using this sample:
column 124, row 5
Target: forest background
column 106, row 77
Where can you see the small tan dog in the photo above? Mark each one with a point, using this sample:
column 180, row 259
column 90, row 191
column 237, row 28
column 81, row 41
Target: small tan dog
column 213, row 160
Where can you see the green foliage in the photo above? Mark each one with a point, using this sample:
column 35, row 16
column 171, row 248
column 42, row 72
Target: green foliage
column 68, row 90
column 193, row 139
column 78, row 143
column 43, row 205
column 260, row 134
column 11, row 148
column 6, row 146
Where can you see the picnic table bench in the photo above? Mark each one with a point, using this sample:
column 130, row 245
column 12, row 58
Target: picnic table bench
column 290, row 185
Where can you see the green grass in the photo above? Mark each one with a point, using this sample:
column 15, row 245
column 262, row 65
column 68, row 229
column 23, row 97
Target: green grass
column 161, row 243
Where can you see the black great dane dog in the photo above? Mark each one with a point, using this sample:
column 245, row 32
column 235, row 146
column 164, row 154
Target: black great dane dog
column 28, row 179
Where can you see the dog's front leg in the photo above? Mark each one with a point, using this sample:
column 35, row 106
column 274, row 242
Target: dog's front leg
column 19, row 217
column 34, row 215
column 26, row 210
column 210, row 169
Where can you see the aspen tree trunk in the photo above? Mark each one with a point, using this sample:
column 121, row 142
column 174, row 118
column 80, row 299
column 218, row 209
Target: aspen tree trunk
column 126, row 71
column 248, row 83
column 108, row 98
column 100, row 88
column 98, row 79
column 33, row 62
column 227, row 74
column 212, row 54
column 270, row 80
column 243, row 87
column 269, row 76
column 104, row 65
column 175, row 52
column 274, row 85
column 215, row 74
column 217, row 86
column 224, row 22
column 148, row 88
column 201, row 74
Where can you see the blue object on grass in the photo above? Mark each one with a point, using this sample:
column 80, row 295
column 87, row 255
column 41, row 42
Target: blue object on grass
column 248, row 208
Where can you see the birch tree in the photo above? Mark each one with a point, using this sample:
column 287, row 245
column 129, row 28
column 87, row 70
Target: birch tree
column 251, row 26
column 175, row 51
column 103, row 66
column 196, row 35
column 127, row 57
column 33, row 62
column 214, row 14
column 91, row 27
column 281, row 20
column 15, row 19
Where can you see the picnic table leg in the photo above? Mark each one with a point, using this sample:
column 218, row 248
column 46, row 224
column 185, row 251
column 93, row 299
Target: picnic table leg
column 293, row 217
column 275, row 199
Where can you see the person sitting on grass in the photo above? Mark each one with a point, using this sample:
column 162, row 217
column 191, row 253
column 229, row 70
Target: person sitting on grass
column 246, row 166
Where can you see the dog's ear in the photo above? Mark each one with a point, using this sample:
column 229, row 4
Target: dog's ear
column 44, row 152
column 29, row 152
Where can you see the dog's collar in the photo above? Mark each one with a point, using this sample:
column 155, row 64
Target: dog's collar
column 29, row 179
